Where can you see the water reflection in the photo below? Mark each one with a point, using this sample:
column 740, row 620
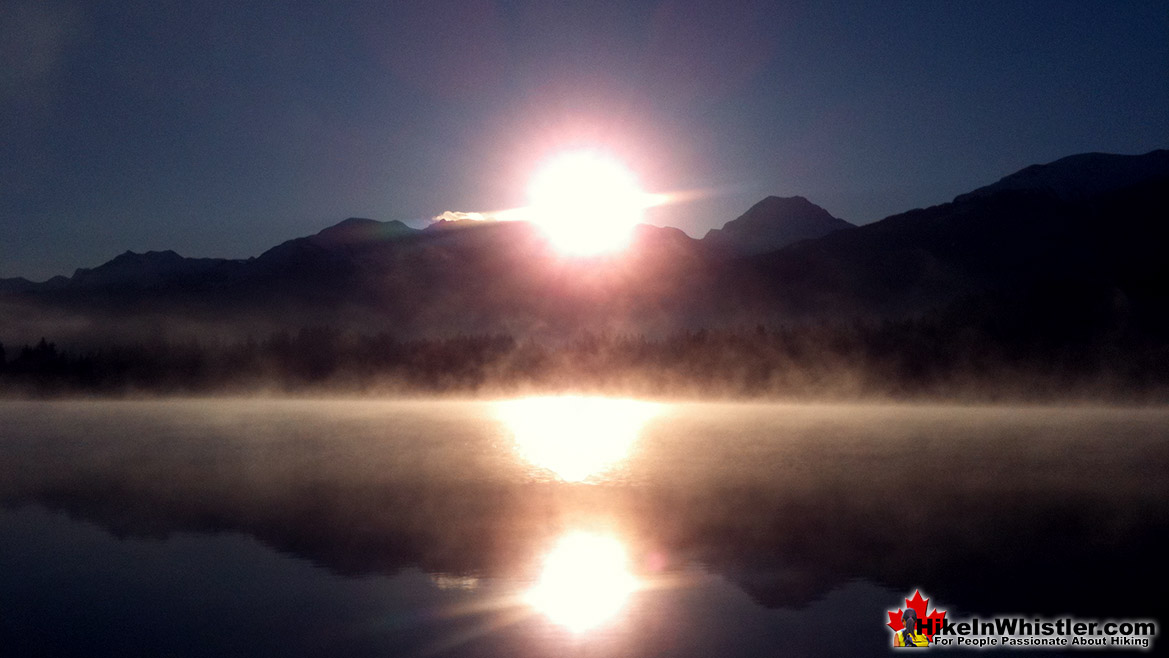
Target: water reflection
column 730, row 510
column 575, row 437
column 585, row 581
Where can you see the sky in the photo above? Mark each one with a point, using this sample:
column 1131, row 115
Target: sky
column 222, row 128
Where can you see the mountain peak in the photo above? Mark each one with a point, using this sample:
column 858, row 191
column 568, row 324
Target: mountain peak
column 360, row 229
column 774, row 223
column 132, row 260
column 143, row 269
column 355, row 222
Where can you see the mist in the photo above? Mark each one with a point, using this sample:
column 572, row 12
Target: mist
column 374, row 487
column 911, row 360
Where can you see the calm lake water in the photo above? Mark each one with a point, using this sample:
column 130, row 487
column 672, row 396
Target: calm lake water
column 562, row 526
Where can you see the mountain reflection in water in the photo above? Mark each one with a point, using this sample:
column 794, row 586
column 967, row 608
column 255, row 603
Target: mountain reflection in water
column 1041, row 510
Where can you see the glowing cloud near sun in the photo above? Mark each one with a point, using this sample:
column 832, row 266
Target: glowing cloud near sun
column 587, row 202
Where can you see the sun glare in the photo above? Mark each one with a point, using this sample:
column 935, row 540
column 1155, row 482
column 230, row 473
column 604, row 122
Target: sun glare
column 585, row 581
column 586, row 202
column 575, row 437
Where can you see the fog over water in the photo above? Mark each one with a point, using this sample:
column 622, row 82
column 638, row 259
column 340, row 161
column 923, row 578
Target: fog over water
column 407, row 527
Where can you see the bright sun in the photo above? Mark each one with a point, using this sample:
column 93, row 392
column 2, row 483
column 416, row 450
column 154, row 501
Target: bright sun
column 575, row 437
column 586, row 202
column 586, row 581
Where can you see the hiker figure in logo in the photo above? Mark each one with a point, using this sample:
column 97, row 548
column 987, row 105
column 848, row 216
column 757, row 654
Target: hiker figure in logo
column 908, row 636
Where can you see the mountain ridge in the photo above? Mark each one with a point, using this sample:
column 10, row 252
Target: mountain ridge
column 1067, row 179
column 1080, row 176
column 504, row 276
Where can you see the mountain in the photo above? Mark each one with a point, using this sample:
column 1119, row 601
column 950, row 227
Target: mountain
column 1094, row 224
column 774, row 223
column 1080, row 240
column 1082, row 176
column 153, row 269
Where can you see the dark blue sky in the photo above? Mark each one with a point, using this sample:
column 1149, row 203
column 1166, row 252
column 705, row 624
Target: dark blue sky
column 220, row 128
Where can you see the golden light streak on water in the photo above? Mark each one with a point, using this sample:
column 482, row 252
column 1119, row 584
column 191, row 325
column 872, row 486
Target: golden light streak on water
column 585, row 581
column 575, row 437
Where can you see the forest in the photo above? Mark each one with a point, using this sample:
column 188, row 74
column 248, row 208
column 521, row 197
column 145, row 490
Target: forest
column 1031, row 354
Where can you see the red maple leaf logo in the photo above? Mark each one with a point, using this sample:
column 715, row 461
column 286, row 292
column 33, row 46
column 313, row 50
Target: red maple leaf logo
column 919, row 606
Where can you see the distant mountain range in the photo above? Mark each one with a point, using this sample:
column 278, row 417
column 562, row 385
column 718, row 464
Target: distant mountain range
column 1081, row 239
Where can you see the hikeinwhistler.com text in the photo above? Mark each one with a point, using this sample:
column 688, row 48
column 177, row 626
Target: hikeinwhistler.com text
column 1001, row 632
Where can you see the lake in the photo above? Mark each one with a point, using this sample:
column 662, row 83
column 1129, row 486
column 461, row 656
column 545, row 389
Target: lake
column 562, row 526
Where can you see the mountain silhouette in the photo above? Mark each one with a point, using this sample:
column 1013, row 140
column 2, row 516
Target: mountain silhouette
column 774, row 223
column 1079, row 240
column 1009, row 237
column 1081, row 176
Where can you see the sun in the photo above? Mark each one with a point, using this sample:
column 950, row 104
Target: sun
column 575, row 437
column 586, row 202
column 585, row 582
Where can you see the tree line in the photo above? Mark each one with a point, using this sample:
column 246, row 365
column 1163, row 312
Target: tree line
column 937, row 356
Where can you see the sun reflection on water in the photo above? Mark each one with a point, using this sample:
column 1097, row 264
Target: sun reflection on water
column 585, row 581
column 575, row 437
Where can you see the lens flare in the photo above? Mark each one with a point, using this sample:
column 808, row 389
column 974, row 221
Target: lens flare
column 575, row 437
column 585, row 581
